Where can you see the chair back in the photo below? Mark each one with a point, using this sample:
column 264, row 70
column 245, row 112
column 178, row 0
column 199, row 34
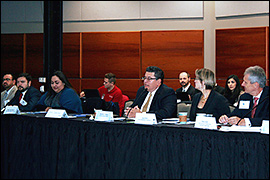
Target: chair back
column 183, row 107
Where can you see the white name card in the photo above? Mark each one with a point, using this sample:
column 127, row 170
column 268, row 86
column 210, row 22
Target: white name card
column 56, row 113
column 265, row 127
column 106, row 116
column 205, row 122
column 12, row 110
column 145, row 118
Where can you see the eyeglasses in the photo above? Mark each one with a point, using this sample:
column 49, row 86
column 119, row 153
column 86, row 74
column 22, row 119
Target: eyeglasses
column 7, row 79
column 148, row 78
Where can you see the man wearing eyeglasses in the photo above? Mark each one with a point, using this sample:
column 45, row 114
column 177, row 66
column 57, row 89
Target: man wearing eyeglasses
column 154, row 96
column 10, row 89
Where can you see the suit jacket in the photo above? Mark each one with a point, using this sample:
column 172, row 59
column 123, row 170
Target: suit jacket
column 164, row 102
column 11, row 94
column 31, row 97
column 262, row 110
column 191, row 91
column 216, row 104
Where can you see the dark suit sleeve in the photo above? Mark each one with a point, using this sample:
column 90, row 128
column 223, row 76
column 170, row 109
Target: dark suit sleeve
column 164, row 104
column 31, row 97
column 262, row 111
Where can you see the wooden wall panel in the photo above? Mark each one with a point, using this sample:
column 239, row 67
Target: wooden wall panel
column 173, row 51
column 11, row 54
column 71, row 55
column 116, row 52
column 34, row 54
column 75, row 84
column 237, row 49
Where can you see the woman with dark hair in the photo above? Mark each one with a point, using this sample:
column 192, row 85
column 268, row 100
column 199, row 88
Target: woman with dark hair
column 233, row 90
column 60, row 95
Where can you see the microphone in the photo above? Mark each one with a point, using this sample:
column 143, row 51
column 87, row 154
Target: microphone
column 252, row 109
column 136, row 101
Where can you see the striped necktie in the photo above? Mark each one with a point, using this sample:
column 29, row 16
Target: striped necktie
column 255, row 104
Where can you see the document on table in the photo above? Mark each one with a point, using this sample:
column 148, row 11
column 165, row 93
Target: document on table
column 240, row 129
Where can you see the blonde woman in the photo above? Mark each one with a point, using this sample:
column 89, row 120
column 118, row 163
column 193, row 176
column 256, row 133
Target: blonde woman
column 208, row 100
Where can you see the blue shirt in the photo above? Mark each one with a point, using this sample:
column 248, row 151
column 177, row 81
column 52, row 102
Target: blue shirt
column 68, row 99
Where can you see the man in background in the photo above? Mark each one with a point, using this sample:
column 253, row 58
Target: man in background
column 109, row 91
column 10, row 89
column 27, row 96
column 184, row 80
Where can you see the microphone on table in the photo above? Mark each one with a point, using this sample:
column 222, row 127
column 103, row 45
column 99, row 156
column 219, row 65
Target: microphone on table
column 144, row 89
column 252, row 109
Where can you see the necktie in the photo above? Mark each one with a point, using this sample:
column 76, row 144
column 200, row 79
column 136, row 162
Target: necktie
column 5, row 96
column 20, row 99
column 183, row 90
column 3, row 100
column 255, row 104
column 146, row 104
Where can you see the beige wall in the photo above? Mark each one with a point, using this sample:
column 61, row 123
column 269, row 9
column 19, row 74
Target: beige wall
column 209, row 24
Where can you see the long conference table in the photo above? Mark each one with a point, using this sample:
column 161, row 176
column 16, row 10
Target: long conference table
column 35, row 147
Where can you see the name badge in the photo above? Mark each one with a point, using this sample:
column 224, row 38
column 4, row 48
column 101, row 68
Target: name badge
column 244, row 104
column 23, row 102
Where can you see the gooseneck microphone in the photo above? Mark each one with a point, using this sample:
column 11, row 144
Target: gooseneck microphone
column 136, row 99
column 252, row 109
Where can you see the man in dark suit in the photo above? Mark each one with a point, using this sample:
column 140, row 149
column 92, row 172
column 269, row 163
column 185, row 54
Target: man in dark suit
column 154, row 96
column 27, row 96
column 256, row 93
column 184, row 80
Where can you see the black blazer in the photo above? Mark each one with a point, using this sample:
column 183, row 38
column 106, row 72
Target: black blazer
column 216, row 104
column 31, row 97
column 163, row 104
column 191, row 91
column 262, row 110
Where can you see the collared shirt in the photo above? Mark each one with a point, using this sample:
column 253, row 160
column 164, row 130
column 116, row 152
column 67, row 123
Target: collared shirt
column 184, row 89
column 247, row 120
column 258, row 96
column 146, row 98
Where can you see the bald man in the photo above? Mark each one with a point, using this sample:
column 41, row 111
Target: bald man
column 184, row 80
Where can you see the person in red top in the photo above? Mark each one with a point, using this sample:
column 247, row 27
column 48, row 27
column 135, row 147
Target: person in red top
column 110, row 92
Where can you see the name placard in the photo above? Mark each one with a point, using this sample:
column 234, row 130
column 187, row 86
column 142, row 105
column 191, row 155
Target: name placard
column 56, row 113
column 106, row 116
column 12, row 110
column 205, row 122
column 265, row 127
column 145, row 118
